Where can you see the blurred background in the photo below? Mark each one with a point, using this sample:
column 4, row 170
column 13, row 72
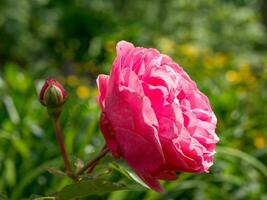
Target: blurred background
column 221, row 44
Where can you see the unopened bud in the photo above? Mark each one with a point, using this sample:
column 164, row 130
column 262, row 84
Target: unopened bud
column 53, row 95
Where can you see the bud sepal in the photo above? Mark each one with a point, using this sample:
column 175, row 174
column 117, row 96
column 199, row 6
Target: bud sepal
column 53, row 94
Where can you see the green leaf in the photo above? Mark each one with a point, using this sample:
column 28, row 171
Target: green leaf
column 31, row 175
column 21, row 147
column 11, row 109
column 244, row 156
column 2, row 83
column 89, row 187
column 121, row 170
column 10, row 172
column 130, row 175
column 45, row 198
column 16, row 78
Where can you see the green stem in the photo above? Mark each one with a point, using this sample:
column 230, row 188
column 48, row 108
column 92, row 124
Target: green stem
column 89, row 167
column 62, row 149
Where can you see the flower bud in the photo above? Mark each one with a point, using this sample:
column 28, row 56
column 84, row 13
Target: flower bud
column 53, row 94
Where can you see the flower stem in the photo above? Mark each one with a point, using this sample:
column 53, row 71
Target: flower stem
column 89, row 167
column 62, row 149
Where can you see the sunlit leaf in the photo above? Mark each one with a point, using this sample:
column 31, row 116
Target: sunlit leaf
column 10, row 172
column 21, row 147
column 11, row 109
column 129, row 174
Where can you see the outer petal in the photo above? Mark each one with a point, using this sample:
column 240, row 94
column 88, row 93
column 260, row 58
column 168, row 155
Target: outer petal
column 140, row 154
column 123, row 48
column 128, row 109
column 102, row 83
column 109, row 135
column 164, row 174
column 150, row 181
column 133, row 114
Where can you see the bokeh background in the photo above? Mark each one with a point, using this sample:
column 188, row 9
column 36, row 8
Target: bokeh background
column 221, row 44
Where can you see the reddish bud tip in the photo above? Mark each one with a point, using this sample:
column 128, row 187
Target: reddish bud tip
column 53, row 94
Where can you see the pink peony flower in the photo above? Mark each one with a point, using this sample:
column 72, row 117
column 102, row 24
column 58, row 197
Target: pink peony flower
column 154, row 117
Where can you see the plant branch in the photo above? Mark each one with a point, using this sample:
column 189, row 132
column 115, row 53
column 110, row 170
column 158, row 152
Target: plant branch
column 89, row 167
column 62, row 149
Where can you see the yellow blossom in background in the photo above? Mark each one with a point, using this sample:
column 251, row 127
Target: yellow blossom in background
column 189, row 50
column 250, row 80
column 244, row 74
column 82, row 92
column 217, row 60
column 220, row 60
column 233, row 77
column 247, row 74
column 72, row 80
column 208, row 62
column 260, row 142
column 245, row 67
column 166, row 45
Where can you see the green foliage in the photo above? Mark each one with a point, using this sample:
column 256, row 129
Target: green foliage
column 89, row 187
column 221, row 44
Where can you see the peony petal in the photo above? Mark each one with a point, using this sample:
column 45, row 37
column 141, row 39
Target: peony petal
column 174, row 159
column 109, row 135
column 134, row 112
column 117, row 110
column 151, row 182
column 131, row 81
column 123, row 48
column 165, row 175
column 102, row 83
column 156, row 95
column 142, row 155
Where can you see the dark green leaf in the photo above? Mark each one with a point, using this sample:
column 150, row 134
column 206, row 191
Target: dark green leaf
column 89, row 187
